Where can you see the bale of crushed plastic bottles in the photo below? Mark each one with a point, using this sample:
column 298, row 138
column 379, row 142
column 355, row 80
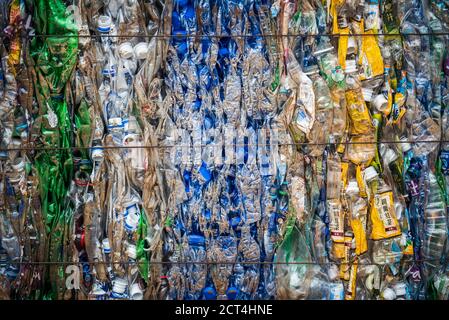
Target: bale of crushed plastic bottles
column 214, row 149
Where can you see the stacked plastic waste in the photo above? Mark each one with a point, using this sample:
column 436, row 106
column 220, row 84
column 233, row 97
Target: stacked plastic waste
column 224, row 149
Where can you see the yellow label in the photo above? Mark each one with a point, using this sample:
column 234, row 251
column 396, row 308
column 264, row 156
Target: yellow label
column 344, row 173
column 343, row 47
column 334, row 5
column 344, row 271
column 336, row 220
column 338, row 249
column 360, row 182
column 371, row 61
column 383, row 217
column 358, row 112
column 350, row 294
column 361, row 245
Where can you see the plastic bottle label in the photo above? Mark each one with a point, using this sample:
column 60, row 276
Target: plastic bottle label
column 336, row 220
column 383, row 217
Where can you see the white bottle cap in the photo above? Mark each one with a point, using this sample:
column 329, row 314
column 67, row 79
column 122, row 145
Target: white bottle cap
column 351, row 66
column 141, row 50
column 367, row 94
column 97, row 154
column 405, row 146
column 370, row 173
column 136, row 292
column 114, row 123
column 131, row 222
column 131, row 251
column 119, row 285
column 380, row 103
column 388, row 294
column 400, row 288
column 352, row 188
column 125, row 50
column 106, row 245
column 390, row 156
column 104, row 24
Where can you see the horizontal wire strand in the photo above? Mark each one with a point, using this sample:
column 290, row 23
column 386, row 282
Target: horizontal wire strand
column 101, row 147
column 218, row 262
column 294, row 35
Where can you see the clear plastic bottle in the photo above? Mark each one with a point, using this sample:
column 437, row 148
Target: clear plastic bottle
column 195, row 255
column 303, row 117
column 333, row 177
column 394, row 163
column 9, row 240
column 223, row 248
column 249, row 251
column 435, row 224
column 324, row 114
column 424, row 130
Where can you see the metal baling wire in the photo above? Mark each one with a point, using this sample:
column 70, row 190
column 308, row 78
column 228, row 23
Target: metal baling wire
column 233, row 144
column 216, row 262
column 246, row 35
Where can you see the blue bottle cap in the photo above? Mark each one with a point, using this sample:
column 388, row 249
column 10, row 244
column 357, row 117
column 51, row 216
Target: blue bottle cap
column 232, row 292
column 104, row 30
column 209, row 293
